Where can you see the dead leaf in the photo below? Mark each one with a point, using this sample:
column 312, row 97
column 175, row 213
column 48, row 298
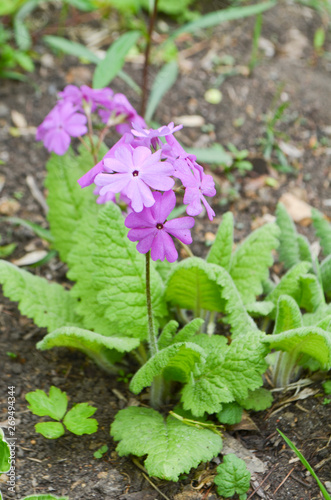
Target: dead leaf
column 2, row 182
column 298, row 209
column 253, row 185
column 79, row 75
column 260, row 221
column 246, row 424
column 190, row 120
column 210, row 237
column 18, row 119
column 8, row 206
column 290, row 150
column 30, row 258
column 297, row 42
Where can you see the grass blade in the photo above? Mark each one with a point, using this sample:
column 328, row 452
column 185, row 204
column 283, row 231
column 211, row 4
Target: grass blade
column 164, row 80
column 43, row 233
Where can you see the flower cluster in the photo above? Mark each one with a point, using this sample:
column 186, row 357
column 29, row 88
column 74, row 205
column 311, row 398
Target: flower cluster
column 140, row 166
column 70, row 115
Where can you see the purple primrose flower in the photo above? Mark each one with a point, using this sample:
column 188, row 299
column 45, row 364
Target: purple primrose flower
column 62, row 123
column 94, row 97
column 152, row 230
column 133, row 172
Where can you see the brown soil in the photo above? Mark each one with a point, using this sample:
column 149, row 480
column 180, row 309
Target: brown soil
column 66, row 466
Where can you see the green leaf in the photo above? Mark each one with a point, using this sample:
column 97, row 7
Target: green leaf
column 163, row 82
column 122, row 286
column 251, row 261
column 71, row 48
column 221, row 250
column 179, row 359
column 257, row 309
column 54, row 405
column 288, row 315
column 326, row 274
column 103, row 350
column 311, row 293
column 22, row 35
column 7, row 250
column 304, row 249
column 172, row 447
column 109, row 67
column 309, row 340
column 48, row 304
column 289, row 251
column 323, row 231
column 258, row 400
column 232, row 476
column 290, row 283
column 66, row 200
column 169, row 336
column 227, row 376
column 4, row 454
column 306, row 464
column 221, row 16
column 77, row 419
column 215, row 154
column 326, row 386
column 312, row 319
column 44, row 497
column 230, row 414
column 50, row 430
column 43, row 233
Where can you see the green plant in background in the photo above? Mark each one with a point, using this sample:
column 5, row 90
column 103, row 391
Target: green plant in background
column 55, row 405
column 12, row 59
column 306, row 464
column 233, row 477
column 101, row 451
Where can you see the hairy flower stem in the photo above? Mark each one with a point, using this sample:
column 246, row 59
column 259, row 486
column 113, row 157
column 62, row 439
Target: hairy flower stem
column 146, row 61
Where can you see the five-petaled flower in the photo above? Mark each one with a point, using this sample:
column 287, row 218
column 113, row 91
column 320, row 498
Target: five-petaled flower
column 152, row 230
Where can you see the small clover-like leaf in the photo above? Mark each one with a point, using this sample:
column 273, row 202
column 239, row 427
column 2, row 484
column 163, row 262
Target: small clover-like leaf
column 4, row 454
column 77, row 419
column 54, row 405
column 172, row 446
column 233, row 477
column 50, row 430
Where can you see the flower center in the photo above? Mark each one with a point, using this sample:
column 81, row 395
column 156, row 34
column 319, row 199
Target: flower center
column 159, row 226
column 135, row 173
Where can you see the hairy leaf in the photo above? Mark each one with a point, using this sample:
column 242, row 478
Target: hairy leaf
column 169, row 335
column 304, row 249
column 172, row 447
column 323, row 230
column 50, row 430
column 48, row 304
column 66, row 199
column 257, row 309
column 180, row 358
column 103, row 350
column 221, row 250
column 326, row 274
column 77, row 419
column 310, row 340
column 251, row 261
column 288, row 315
column 311, row 293
column 230, row 414
column 232, row 477
column 289, row 250
column 226, row 377
column 54, row 405
column 4, row 454
column 257, row 400
column 312, row 319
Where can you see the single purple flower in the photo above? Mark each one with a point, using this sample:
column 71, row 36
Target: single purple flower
column 119, row 105
column 197, row 186
column 62, row 123
column 136, row 171
column 93, row 97
column 152, row 230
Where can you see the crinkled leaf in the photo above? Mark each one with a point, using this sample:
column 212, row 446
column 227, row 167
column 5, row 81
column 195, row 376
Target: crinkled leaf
column 48, row 304
column 196, row 285
column 311, row 293
column 251, row 261
column 308, row 340
column 257, row 309
column 77, row 419
column 288, row 315
column 4, row 454
column 325, row 324
column 257, row 400
column 50, row 430
column 103, row 350
column 326, row 274
column 304, row 249
column 172, row 447
column 323, row 230
column 221, row 250
column 109, row 67
column 54, row 405
column 169, row 335
column 120, row 277
column 216, row 344
column 232, row 476
column 290, row 283
column 226, row 376
column 179, row 359
column 230, row 414
column 289, row 249
column 312, row 319
column 66, row 199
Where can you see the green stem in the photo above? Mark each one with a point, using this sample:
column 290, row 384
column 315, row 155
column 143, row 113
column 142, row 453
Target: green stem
column 151, row 332
column 284, row 367
column 146, row 61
